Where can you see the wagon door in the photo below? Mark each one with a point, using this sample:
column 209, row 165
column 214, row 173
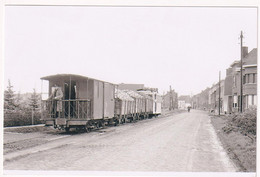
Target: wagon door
column 109, row 103
column 70, row 94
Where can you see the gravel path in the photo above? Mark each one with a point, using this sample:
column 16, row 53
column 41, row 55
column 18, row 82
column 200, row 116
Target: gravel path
column 183, row 142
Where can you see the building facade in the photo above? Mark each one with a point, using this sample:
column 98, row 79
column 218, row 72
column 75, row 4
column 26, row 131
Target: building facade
column 216, row 97
column 184, row 102
column 201, row 100
column 170, row 100
column 249, row 82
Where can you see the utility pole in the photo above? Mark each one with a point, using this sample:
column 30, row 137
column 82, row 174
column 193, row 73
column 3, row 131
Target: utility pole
column 219, row 93
column 170, row 96
column 172, row 102
column 241, row 72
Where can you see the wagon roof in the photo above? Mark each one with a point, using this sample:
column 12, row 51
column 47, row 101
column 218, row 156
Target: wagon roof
column 68, row 76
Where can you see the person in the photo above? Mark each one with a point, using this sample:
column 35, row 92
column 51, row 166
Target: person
column 56, row 97
column 188, row 108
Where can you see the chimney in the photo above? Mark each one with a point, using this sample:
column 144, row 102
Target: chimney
column 245, row 51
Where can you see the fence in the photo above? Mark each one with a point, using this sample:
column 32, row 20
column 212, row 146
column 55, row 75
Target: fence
column 21, row 118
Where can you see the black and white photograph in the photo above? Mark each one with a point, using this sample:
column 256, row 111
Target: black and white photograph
column 130, row 90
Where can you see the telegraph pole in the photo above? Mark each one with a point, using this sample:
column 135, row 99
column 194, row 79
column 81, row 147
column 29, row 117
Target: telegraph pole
column 219, row 93
column 170, row 98
column 241, row 72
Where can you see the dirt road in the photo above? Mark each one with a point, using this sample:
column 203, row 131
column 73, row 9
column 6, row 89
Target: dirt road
column 183, row 142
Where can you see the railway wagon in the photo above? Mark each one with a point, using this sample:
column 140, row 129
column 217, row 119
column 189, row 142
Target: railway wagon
column 138, row 107
column 124, row 106
column 82, row 102
column 148, row 105
column 157, row 101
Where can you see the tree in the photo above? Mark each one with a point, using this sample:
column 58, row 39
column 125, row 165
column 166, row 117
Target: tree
column 9, row 98
column 18, row 101
column 34, row 100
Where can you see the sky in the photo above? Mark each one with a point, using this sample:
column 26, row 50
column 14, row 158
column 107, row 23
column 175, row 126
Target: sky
column 184, row 47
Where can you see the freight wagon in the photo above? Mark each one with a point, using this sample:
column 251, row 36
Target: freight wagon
column 156, row 102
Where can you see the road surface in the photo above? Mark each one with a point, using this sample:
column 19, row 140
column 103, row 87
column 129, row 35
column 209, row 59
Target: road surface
column 184, row 142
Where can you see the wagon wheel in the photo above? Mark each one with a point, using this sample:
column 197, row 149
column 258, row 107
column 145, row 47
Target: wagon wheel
column 87, row 127
column 116, row 122
column 123, row 120
column 67, row 129
column 97, row 125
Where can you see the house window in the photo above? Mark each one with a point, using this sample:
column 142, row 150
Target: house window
column 250, row 100
column 244, row 79
column 255, row 99
column 254, row 79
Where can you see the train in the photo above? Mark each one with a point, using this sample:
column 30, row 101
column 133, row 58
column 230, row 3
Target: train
column 85, row 103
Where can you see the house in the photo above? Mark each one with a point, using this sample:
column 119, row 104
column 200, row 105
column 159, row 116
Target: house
column 216, row 97
column 201, row 100
column 170, row 100
column 233, row 82
column 184, row 101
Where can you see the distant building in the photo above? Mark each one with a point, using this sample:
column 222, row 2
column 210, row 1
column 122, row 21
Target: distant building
column 170, row 100
column 184, row 101
column 133, row 87
column 216, row 93
column 181, row 104
column 201, row 100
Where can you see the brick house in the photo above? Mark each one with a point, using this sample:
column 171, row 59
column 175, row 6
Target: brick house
column 214, row 97
column 201, row 100
column 170, row 98
column 233, row 82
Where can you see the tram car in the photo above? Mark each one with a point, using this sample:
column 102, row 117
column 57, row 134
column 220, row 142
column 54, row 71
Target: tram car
column 83, row 102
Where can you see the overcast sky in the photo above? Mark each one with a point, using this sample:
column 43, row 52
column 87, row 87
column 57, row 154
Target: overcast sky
column 184, row 47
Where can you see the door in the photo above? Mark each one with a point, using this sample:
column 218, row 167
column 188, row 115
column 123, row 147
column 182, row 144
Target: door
column 70, row 94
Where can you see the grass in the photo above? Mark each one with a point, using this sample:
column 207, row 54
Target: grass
column 237, row 133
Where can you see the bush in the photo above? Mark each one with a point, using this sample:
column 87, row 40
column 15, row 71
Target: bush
column 244, row 122
column 20, row 118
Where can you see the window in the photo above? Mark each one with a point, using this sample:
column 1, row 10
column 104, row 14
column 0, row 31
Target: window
column 254, row 78
column 255, row 99
column 250, row 100
column 244, row 79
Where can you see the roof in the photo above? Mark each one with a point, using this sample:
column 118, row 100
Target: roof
column 235, row 62
column 69, row 76
column 133, row 87
column 251, row 57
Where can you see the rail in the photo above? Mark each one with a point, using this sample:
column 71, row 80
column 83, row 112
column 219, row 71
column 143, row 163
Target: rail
column 71, row 109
